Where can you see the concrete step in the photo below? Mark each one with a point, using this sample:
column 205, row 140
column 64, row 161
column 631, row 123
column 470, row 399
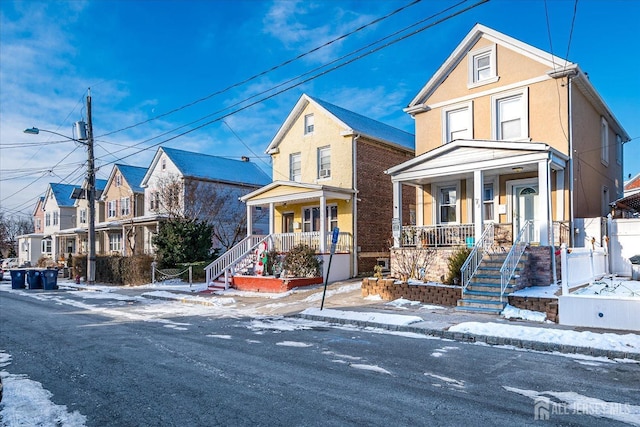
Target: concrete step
column 488, row 287
column 482, row 303
column 479, row 309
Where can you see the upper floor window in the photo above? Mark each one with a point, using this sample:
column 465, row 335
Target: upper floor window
column 511, row 118
column 56, row 218
column 482, row 66
column 118, row 180
column 308, row 124
column 83, row 216
column 295, row 167
column 125, row 206
column 163, row 164
column 154, row 201
column 324, row 162
column 619, row 149
column 38, row 224
column 47, row 219
column 112, row 208
column 604, row 141
column 457, row 123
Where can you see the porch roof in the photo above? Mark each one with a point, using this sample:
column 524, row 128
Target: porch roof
column 280, row 192
column 460, row 158
column 631, row 201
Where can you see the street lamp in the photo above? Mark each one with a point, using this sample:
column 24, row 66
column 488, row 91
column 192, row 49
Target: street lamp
column 85, row 137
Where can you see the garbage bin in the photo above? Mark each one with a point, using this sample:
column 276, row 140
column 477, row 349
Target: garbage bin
column 50, row 279
column 17, row 279
column 34, row 279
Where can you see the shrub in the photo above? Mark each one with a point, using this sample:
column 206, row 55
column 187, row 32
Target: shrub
column 301, row 261
column 455, row 263
column 117, row 270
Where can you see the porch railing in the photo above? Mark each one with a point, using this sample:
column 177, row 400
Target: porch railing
column 513, row 257
column 482, row 246
column 283, row 242
column 438, row 235
column 561, row 233
column 227, row 260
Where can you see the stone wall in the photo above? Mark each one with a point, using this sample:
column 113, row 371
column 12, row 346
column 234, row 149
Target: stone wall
column 544, row 305
column 389, row 290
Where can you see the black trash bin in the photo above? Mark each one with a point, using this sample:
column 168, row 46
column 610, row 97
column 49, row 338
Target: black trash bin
column 34, row 279
column 17, row 279
column 50, row 279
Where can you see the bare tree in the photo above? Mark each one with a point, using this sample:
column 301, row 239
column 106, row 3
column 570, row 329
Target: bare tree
column 10, row 229
column 412, row 263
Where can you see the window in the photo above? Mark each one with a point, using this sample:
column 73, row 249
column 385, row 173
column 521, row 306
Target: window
column 604, row 141
column 295, row 167
column 46, row 246
column 308, row 124
column 118, row 180
column 83, row 216
column 47, row 219
column 115, row 242
column 324, row 162
column 447, row 204
column 487, row 202
column 112, row 208
column 457, row 123
column 154, row 201
column 56, row 218
column 38, row 224
column 510, row 116
column 163, row 164
column 124, row 206
column 311, row 218
column 482, row 66
column 619, row 149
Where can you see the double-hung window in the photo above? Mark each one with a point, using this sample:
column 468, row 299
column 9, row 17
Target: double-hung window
column 324, row 162
column 482, row 66
column 83, row 216
column 311, row 218
column 125, row 206
column 56, row 218
column 457, row 122
column 510, row 116
column 447, row 204
column 487, row 202
column 47, row 219
column 308, row 124
column 295, row 167
column 112, row 208
column 115, row 242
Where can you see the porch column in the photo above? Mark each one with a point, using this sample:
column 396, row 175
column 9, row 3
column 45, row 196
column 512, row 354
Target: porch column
column 545, row 198
column 477, row 204
column 250, row 221
column 397, row 213
column 272, row 218
column 323, row 224
column 123, row 249
column 560, row 195
column 420, row 207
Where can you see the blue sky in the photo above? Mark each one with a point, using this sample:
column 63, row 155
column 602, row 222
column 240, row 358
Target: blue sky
column 143, row 59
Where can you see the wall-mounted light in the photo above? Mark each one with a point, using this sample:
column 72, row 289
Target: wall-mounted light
column 517, row 169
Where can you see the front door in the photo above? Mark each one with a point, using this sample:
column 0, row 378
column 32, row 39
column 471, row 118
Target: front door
column 287, row 222
column 525, row 208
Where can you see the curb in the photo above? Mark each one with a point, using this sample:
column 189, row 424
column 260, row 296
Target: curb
column 487, row 339
column 182, row 300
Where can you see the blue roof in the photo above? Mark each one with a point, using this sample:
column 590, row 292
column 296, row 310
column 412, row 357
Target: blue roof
column 101, row 184
column 369, row 127
column 62, row 193
column 133, row 175
column 214, row 168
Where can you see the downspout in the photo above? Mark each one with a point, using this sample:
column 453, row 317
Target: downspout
column 550, row 216
column 571, row 194
column 354, row 201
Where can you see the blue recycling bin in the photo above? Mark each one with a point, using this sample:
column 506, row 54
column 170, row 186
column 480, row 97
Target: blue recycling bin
column 17, row 279
column 49, row 279
column 34, row 279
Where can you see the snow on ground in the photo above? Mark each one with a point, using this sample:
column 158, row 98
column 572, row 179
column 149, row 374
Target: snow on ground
column 374, row 368
column 26, row 403
column 383, row 318
column 511, row 312
column 629, row 343
column 538, row 291
column 611, row 286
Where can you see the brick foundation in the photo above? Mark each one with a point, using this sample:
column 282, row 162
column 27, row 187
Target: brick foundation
column 389, row 290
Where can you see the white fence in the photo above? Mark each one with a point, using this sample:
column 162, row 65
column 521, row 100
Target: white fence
column 624, row 242
column 582, row 265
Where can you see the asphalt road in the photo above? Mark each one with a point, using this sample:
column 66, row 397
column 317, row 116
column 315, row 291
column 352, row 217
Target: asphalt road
column 120, row 368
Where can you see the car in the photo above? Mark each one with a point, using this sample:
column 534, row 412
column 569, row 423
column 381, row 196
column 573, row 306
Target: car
column 10, row 263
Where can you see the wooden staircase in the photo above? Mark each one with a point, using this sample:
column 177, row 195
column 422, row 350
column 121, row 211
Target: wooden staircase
column 483, row 292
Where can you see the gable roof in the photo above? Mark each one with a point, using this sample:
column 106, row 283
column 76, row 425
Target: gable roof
column 132, row 174
column 210, row 168
column 353, row 123
column 39, row 205
column 558, row 67
column 62, row 193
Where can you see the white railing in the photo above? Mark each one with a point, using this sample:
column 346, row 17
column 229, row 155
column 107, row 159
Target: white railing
column 438, row 235
column 226, row 261
column 582, row 265
column 283, row 242
column 482, row 246
column 520, row 243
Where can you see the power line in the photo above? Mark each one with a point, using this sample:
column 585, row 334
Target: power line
column 262, row 73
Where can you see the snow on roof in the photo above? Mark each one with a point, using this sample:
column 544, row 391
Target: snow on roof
column 368, row 126
column 62, row 193
column 133, row 175
column 199, row 165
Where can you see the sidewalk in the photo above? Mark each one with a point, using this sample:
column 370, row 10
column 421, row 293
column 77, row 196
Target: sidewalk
column 344, row 305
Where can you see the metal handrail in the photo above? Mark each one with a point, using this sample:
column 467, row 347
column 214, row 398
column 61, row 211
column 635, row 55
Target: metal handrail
column 227, row 260
column 513, row 257
column 470, row 266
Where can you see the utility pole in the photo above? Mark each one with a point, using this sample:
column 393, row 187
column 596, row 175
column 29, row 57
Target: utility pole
column 91, row 197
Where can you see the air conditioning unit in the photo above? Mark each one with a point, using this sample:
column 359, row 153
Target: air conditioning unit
column 325, row 173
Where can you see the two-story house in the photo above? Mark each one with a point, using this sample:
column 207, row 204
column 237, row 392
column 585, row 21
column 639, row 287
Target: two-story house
column 123, row 211
column 508, row 138
column 195, row 185
column 59, row 214
column 30, row 245
column 328, row 172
